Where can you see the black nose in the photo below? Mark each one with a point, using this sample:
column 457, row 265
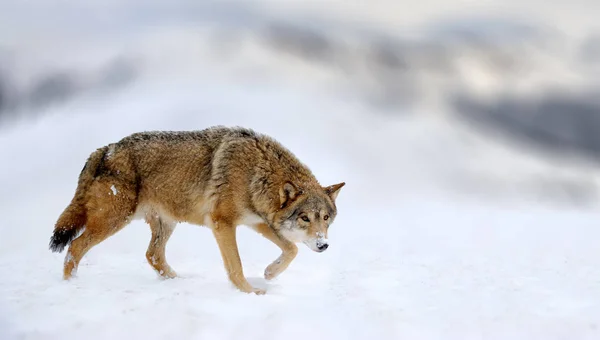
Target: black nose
column 322, row 247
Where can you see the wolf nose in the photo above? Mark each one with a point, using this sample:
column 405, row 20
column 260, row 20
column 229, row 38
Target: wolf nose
column 322, row 247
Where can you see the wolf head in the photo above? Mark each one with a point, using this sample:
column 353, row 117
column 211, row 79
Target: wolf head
column 305, row 215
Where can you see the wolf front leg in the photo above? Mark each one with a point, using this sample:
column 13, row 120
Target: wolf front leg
column 226, row 239
column 288, row 251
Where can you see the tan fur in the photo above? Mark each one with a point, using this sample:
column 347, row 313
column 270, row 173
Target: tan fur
column 219, row 177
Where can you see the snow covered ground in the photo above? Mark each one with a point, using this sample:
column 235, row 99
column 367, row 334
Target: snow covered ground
column 442, row 233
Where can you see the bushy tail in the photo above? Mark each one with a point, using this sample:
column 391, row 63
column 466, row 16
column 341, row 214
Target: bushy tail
column 74, row 217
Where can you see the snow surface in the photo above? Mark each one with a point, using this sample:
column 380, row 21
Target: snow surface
column 412, row 264
column 440, row 234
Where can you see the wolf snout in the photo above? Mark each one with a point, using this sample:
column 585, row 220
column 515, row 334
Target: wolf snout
column 322, row 247
column 317, row 245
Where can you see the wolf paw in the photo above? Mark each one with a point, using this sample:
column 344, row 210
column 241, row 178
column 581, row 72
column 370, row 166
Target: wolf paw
column 167, row 274
column 170, row 275
column 259, row 291
column 271, row 272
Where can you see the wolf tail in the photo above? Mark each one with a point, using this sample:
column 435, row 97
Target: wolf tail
column 74, row 217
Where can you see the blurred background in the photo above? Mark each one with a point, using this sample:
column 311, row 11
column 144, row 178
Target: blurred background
column 466, row 133
column 497, row 99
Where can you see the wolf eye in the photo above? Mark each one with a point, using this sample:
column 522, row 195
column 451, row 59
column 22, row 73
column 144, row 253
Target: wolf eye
column 326, row 217
column 305, row 219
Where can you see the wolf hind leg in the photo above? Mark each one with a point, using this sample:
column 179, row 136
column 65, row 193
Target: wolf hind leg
column 162, row 229
column 109, row 206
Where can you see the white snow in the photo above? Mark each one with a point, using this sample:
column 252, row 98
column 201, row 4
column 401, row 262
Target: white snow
column 440, row 233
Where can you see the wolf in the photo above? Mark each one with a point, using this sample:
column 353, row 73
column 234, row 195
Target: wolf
column 220, row 177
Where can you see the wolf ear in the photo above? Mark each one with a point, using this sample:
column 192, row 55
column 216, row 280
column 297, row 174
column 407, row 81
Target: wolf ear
column 333, row 190
column 288, row 193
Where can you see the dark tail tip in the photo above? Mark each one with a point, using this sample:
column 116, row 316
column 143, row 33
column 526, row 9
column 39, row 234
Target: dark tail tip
column 61, row 238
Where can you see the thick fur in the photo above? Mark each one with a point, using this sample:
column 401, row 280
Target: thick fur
column 219, row 177
column 73, row 218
